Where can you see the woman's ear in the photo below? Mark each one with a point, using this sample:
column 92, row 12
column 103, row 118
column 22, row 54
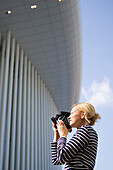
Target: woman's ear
column 83, row 115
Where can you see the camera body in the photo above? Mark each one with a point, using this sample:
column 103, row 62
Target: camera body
column 62, row 116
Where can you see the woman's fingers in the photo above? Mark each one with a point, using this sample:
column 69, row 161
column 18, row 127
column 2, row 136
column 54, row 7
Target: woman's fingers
column 60, row 122
column 63, row 131
column 53, row 124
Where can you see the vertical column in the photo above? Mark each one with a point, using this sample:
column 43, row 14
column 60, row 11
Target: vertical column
column 32, row 120
column 19, row 112
column 0, row 57
column 14, row 111
column 28, row 117
column 24, row 116
column 4, row 100
column 39, row 124
column 45, row 124
column 49, row 167
column 51, row 138
column 8, row 124
column 2, row 72
column 0, row 67
column 35, row 121
column 50, row 126
column 42, row 127
column 46, row 132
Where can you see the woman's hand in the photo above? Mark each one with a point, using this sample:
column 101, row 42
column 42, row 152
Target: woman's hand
column 63, row 131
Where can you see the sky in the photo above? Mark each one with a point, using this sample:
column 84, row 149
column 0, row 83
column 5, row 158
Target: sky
column 97, row 72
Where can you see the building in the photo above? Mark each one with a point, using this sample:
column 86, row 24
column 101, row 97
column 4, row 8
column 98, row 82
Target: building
column 40, row 74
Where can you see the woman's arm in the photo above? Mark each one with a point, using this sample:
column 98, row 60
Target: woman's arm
column 56, row 133
column 63, row 152
column 54, row 146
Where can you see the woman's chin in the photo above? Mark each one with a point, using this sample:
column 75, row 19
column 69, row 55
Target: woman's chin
column 71, row 124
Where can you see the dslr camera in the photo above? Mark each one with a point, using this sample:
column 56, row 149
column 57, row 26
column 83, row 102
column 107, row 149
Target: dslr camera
column 64, row 117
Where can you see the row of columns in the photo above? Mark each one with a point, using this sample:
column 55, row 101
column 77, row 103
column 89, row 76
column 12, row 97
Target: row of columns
column 26, row 107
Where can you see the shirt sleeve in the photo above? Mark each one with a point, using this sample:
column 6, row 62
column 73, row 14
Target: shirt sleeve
column 63, row 152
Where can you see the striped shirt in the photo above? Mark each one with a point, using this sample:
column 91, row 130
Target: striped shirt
column 79, row 152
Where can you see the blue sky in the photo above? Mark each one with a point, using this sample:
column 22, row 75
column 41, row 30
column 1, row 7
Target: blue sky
column 97, row 71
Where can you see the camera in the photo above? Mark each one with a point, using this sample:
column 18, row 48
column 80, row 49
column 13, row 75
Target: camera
column 64, row 117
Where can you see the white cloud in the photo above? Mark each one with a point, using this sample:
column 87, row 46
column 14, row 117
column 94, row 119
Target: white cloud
column 99, row 94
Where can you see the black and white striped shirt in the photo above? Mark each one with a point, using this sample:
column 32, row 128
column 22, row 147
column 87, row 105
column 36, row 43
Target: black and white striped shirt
column 79, row 152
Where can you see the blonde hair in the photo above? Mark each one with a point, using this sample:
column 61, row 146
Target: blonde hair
column 91, row 116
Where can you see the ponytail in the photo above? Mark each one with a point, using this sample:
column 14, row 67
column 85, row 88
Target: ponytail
column 93, row 119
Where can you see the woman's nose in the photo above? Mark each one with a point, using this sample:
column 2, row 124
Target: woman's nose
column 69, row 117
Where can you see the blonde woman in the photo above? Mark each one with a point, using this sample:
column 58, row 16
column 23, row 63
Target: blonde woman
column 80, row 152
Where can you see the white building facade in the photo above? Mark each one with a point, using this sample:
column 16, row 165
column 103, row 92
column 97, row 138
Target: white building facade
column 40, row 74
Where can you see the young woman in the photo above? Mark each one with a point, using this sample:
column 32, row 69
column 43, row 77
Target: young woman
column 80, row 152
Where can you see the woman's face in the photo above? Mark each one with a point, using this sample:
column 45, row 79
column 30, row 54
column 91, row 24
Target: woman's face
column 75, row 118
